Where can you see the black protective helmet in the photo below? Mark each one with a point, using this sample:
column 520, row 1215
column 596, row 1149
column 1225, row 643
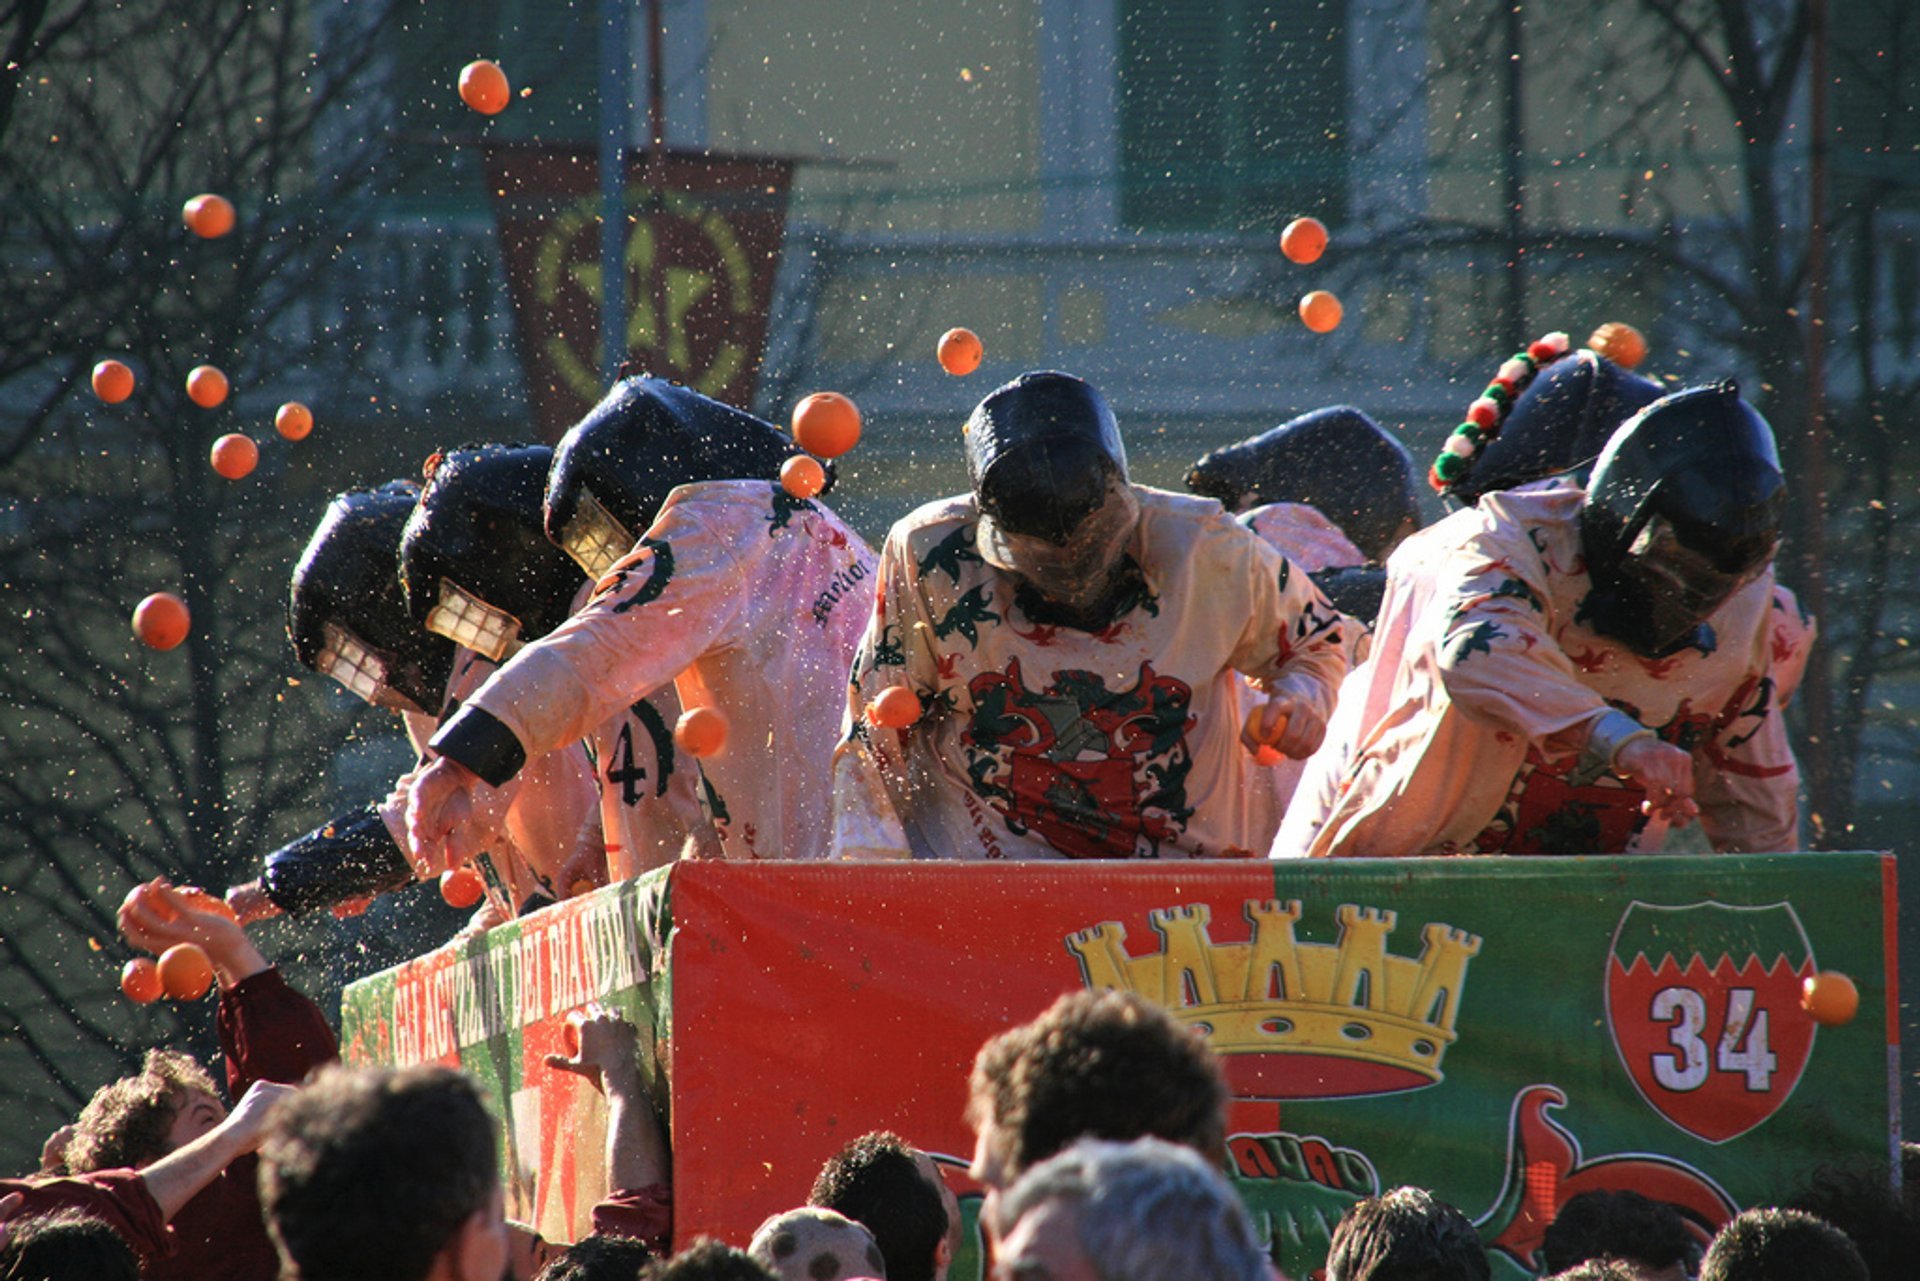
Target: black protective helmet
column 474, row 559
column 1043, row 451
column 1684, row 508
column 1336, row 460
column 1558, row 423
column 617, row 465
column 346, row 616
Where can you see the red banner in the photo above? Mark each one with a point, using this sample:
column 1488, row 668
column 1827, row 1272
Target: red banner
column 703, row 246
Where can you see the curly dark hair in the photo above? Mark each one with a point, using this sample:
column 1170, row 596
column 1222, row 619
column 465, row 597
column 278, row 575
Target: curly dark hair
column 1781, row 1245
column 1406, row 1235
column 67, row 1244
column 599, row 1258
column 876, row 1182
column 125, row 1124
column 1103, row 1065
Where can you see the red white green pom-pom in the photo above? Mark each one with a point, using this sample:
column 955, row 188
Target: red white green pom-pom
column 1487, row 413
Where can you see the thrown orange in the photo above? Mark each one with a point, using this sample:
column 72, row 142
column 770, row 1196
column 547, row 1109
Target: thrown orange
column 112, row 381
column 802, row 477
column 206, row 386
column 895, row 707
column 1829, row 997
column 1304, row 240
column 960, row 352
column 208, row 216
column 140, row 980
column 1619, row 342
column 185, row 971
column 701, row 731
column 826, row 423
column 483, row 86
column 1320, row 311
column 462, row 887
column 235, row 455
column 161, row 620
column 293, row 421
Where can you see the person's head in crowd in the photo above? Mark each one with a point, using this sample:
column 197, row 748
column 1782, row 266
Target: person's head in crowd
column 599, row 1258
column 1406, row 1235
column 1781, row 1245
column 384, row 1175
column 1601, row 1269
column 812, row 1244
column 896, row 1193
column 1141, row 1211
column 1648, row 1235
column 707, row 1260
column 1861, row 1202
column 1104, row 1065
column 138, row 1119
column 67, row 1246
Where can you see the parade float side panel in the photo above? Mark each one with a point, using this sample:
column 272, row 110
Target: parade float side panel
column 1508, row 1032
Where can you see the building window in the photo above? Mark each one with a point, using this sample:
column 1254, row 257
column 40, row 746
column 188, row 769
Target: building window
column 1232, row 113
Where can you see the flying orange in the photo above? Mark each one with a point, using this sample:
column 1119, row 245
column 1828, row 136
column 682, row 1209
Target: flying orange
column 802, row 477
column 235, row 455
column 140, row 980
column 161, row 620
column 462, row 887
column 483, row 86
column 1320, row 311
column 701, row 731
column 960, row 352
column 206, row 386
column 112, row 381
column 1619, row 342
column 185, row 971
column 208, row 216
column 293, row 421
column 1829, row 997
column 1304, row 240
column 826, row 424
column 895, row 707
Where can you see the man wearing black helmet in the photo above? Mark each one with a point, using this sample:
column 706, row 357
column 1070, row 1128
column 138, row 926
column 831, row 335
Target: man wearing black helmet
column 1072, row 639
column 348, row 620
column 477, row 567
column 711, row 579
column 1578, row 668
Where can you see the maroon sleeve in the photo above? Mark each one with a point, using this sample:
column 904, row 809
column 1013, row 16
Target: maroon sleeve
column 644, row 1214
column 271, row 1033
column 119, row 1198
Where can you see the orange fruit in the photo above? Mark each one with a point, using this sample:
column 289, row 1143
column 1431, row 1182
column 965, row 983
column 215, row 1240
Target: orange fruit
column 462, row 886
column 1619, row 342
column 140, row 980
column 827, row 424
column 1829, row 997
column 235, row 455
column 112, row 381
column 1304, row 240
column 206, row 386
column 701, row 731
column 483, row 86
column 208, row 216
column 293, row 421
column 185, row 971
column 161, row 620
column 1267, row 756
column 802, row 476
column 202, row 901
column 895, row 707
column 960, row 352
column 1320, row 311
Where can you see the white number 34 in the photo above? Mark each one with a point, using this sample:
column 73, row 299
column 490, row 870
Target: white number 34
column 1742, row 1044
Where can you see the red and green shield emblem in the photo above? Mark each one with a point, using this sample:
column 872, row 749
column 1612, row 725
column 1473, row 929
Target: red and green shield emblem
column 1713, row 1036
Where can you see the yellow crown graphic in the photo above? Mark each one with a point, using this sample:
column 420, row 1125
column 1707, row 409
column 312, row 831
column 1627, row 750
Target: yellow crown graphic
column 1293, row 1019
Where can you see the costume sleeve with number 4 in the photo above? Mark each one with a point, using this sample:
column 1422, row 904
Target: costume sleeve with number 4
column 743, row 598
column 1474, row 741
column 1042, row 741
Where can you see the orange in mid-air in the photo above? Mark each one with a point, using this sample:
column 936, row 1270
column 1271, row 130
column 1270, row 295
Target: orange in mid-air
column 1320, row 311
column 235, row 455
column 802, row 477
column 1304, row 240
column 1829, row 997
column 895, row 707
column 1619, row 342
column 293, row 421
column 960, row 352
column 140, row 980
column 462, row 887
column 826, row 423
column 208, row 216
column 112, row 381
column 161, row 620
column 701, row 731
column 483, row 86
column 185, row 971
column 206, row 386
